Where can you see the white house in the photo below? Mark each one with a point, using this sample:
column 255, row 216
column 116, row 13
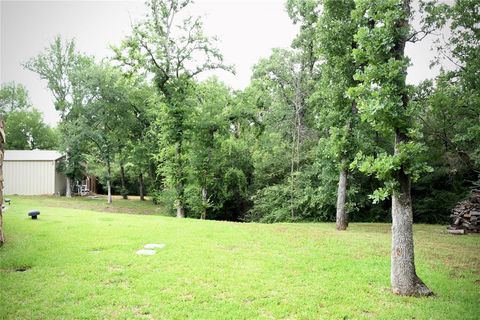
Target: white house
column 32, row 172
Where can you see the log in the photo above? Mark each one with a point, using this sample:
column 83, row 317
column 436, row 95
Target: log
column 458, row 231
column 466, row 215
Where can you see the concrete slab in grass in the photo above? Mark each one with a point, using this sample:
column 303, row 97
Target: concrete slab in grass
column 146, row 252
column 154, row 246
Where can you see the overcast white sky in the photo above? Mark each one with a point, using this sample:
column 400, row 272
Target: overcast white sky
column 247, row 29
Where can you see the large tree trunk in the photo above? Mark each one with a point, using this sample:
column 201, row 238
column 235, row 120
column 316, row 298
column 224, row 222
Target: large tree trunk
column 296, row 142
column 2, row 148
column 292, row 177
column 180, row 186
column 342, row 215
column 68, row 190
column 141, row 187
column 109, row 191
column 109, row 187
column 203, row 215
column 122, row 178
column 180, row 210
column 179, row 201
column 404, row 279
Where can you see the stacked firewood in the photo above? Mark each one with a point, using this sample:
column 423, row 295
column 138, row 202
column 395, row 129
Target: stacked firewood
column 466, row 215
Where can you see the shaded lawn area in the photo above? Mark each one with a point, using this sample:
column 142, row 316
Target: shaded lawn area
column 98, row 203
column 82, row 264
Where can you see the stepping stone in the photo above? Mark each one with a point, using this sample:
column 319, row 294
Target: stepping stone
column 154, row 246
column 146, row 252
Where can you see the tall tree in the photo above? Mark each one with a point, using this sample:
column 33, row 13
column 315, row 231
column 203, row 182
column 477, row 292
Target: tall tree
column 305, row 14
column 383, row 101
column 209, row 128
column 175, row 50
column 141, row 98
column 336, row 31
column 450, row 111
column 286, row 75
column 460, row 86
column 58, row 65
column 106, row 116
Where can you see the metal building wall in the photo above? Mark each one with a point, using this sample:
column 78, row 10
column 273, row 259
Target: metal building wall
column 29, row 177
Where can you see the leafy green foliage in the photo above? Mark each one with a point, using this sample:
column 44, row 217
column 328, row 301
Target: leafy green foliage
column 174, row 50
column 272, row 152
column 61, row 66
column 450, row 116
column 58, row 65
column 382, row 95
column 25, row 130
column 13, row 97
column 24, row 126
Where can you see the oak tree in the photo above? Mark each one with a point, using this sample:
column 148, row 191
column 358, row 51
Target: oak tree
column 383, row 101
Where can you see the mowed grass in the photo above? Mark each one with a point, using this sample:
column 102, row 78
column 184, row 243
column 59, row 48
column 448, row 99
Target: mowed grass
column 97, row 203
column 81, row 264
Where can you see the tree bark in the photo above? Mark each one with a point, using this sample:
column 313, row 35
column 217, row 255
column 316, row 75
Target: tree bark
column 141, row 187
column 109, row 191
column 292, row 176
column 109, row 187
column 403, row 276
column 296, row 140
column 203, row 215
column 342, row 215
column 122, row 178
column 180, row 185
column 404, row 279
column 180, row 211
column 68, row 190
column 2, row 150
column 179, row 201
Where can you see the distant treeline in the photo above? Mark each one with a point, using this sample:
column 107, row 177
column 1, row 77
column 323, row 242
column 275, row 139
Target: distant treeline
column 329, row 109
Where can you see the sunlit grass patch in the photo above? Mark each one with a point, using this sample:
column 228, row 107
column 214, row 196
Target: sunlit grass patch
column 82, row 264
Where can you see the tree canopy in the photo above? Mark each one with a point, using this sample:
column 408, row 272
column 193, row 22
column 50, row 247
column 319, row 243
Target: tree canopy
column 327, row 129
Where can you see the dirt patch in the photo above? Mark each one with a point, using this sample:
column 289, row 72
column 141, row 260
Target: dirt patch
column 368, row 314
column 96, row 250
column 456, row 274
column 188, row 297
column 116, row 283
column 21, row 268
column 281, row 229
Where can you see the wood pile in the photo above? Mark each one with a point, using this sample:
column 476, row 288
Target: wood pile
column 466, row 215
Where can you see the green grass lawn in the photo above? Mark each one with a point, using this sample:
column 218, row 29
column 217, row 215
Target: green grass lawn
column 97, row 203
column 81, row 264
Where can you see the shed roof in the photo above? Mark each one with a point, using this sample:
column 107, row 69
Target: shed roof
column 32, row 155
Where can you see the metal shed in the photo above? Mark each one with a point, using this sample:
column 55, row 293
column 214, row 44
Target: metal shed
column 32, row 172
